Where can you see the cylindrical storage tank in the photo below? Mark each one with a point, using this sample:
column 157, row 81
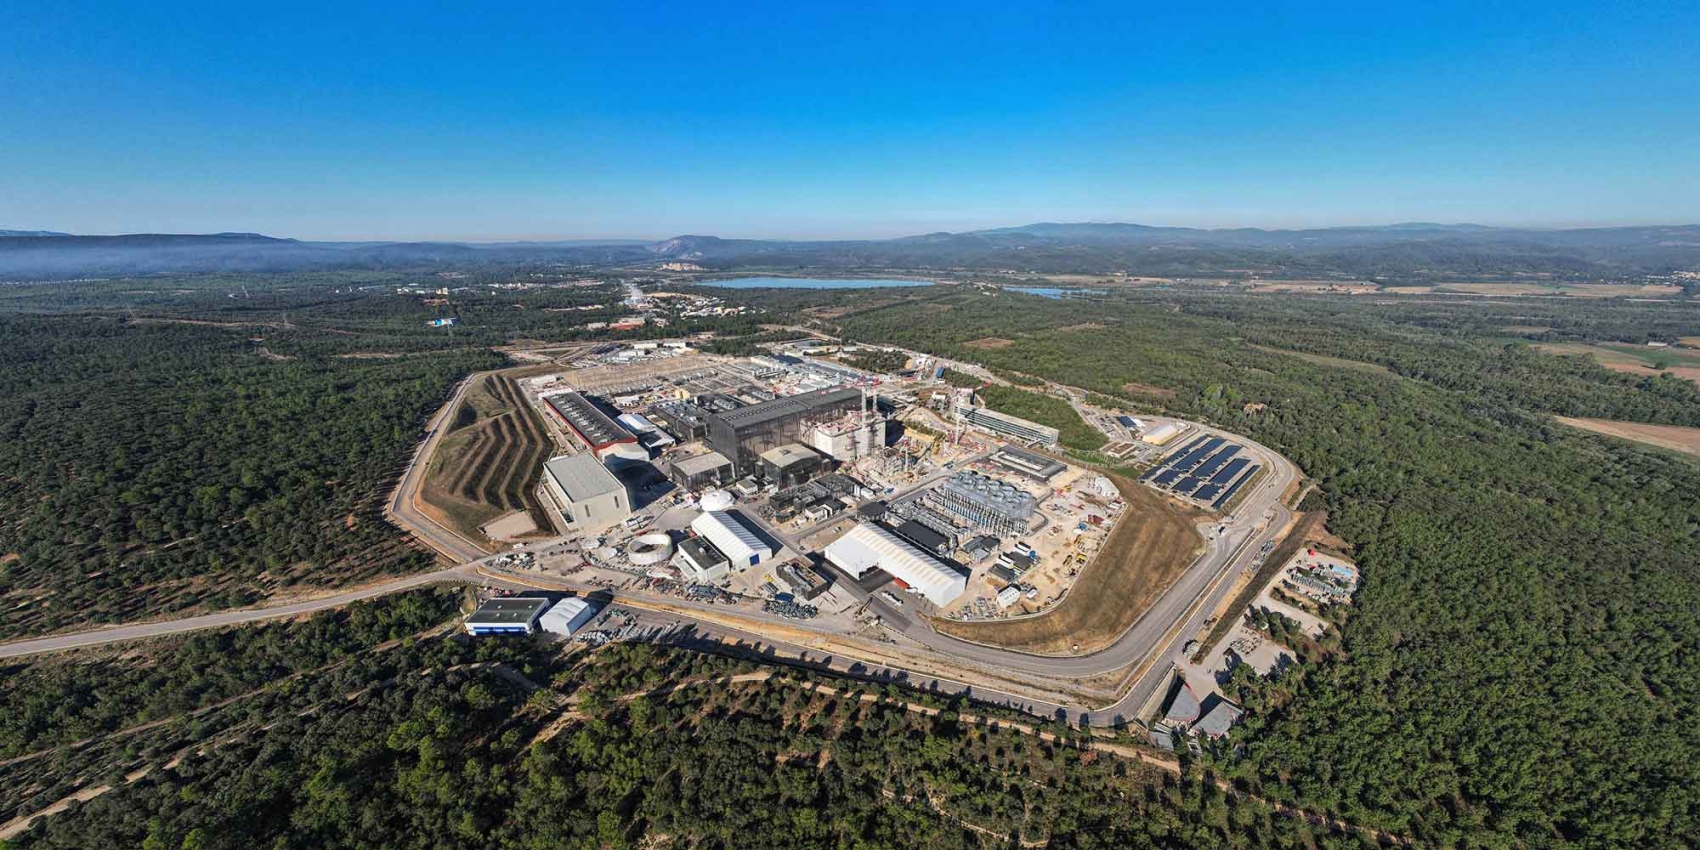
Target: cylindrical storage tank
column 649, row 549
column 716, row 500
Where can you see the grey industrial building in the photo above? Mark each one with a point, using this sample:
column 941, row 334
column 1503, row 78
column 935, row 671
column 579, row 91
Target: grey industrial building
column 790, row 464
column 743, row 434
column 1013, row 427
column 589, row 496
column 1028, row 463
column 710, row 469
column 983, row 502
column 683, row 419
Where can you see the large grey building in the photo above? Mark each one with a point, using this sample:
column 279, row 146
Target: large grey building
column 744, row 434
column 589, row 496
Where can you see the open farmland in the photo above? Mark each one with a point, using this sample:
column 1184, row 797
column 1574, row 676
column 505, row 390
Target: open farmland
column 1150, row 548
column 489, row 461
column 1633, row 359
column 1674, row 437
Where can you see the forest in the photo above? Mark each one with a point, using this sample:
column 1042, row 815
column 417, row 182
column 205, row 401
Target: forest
column 1517, row 669
column 173, row 445
column 1520, row 658
column 505, row 743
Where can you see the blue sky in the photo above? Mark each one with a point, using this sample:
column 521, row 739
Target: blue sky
column 488, row 121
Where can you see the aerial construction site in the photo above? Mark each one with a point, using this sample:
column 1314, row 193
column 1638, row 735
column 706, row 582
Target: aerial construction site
column 884, row 516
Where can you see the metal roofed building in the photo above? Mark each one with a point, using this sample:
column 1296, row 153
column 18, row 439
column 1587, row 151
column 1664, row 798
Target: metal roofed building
column 1219, row 719
column 790, row 464
column 567, row 616
column 699, row 561
column 651, row 437
column 869, row 546
column 699, row 471
column 589, row 496
column 1031, row 464
column 743, row 434
column 1013, row 427
column 588, row 422
column 506, row 615
column 732, row 536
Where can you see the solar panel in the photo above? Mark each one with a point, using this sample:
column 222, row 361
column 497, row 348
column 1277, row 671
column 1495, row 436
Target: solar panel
column 1221, row 479
column 1223, row 499
column 1186, row 464
column 1164, row 479
column 1216, row 460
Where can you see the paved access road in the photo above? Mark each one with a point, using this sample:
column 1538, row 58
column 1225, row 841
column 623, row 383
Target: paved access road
column 230, row 618
column 401, row 509
column 1152, row 640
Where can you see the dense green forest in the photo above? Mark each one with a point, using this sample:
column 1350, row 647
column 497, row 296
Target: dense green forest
column 176, row 444
column 1518, row 668
column 98, row 691
column 506, row 744
column 1521, row 661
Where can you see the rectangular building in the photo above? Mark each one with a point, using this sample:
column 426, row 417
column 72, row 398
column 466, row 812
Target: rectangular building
column 710, row 469
column 790, row 464
column 506, row 615
column 590, row 497
column 1030, row 464
column 869, row 546
column 699, row 562
column 602, row 434
column 743, row 434
column 731, row 534
column 1013, row 427
column 683, row 419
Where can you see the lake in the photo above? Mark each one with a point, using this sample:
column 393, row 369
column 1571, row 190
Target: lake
column 809, row 283
column 1054, row 292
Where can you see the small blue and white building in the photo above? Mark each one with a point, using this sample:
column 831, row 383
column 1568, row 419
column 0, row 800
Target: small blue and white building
column 506, row 615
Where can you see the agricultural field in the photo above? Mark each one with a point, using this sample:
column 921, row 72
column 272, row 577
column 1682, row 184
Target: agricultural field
column 1575, row 290
column 489, row 463
column 1674, row 437
column 1633, row 359
column 1150, row 547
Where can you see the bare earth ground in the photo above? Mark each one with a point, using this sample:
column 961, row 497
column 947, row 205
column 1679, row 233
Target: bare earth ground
column 1673, row 437
column 1627, row 363
column 1151, row 546
column 989, row 342
column 484, row 469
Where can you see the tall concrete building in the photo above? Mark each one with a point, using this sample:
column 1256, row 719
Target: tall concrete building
column 589, row 496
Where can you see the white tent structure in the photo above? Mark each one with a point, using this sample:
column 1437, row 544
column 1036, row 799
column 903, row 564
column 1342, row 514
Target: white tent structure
column 567, row 616
column 868, row 546
column 729, row 533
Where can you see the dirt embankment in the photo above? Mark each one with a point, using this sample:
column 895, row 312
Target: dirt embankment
column 1150, row 547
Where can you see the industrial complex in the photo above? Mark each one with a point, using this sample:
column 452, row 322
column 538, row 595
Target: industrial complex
column 790, row 487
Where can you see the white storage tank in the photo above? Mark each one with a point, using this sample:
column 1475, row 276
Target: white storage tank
column 717, row 500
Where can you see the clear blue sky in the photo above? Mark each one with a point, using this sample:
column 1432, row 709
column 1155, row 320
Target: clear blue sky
column 487, row 121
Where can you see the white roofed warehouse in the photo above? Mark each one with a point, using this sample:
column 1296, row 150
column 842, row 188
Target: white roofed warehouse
column 732, row 536
column 869, row 546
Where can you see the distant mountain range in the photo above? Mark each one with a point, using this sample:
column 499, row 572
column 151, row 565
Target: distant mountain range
column 1413, row 251
column 4, row 233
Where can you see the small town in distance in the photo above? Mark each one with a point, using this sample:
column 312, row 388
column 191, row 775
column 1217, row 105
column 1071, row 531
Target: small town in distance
column 864, row 502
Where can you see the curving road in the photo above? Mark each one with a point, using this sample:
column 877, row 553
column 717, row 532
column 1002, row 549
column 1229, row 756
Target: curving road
column 1153, row 641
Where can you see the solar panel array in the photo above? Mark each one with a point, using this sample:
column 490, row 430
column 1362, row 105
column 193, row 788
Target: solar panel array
column 1205, row 469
